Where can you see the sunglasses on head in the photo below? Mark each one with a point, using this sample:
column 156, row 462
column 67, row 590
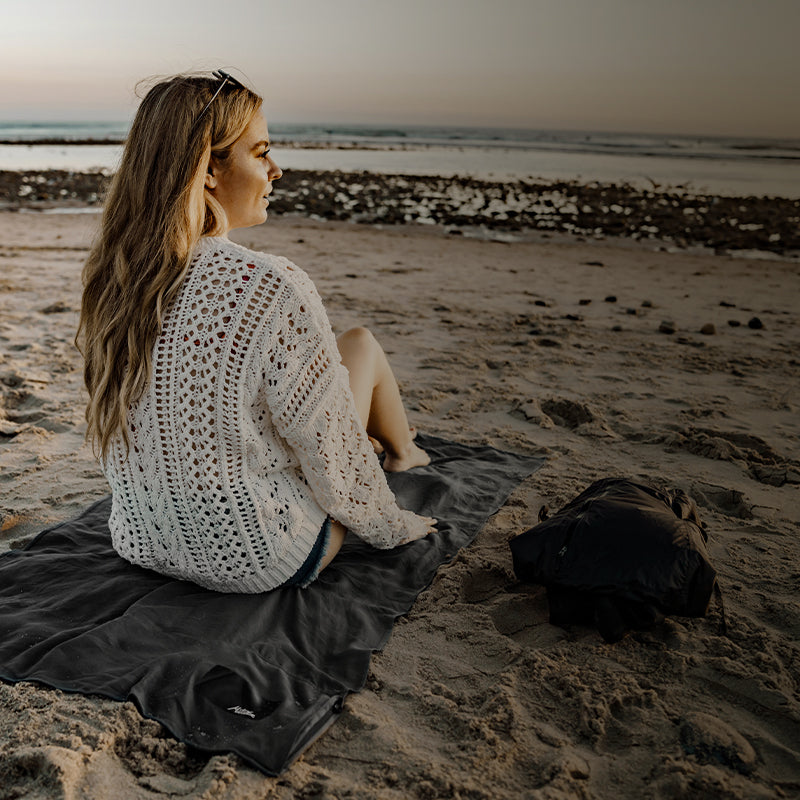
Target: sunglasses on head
column 223, row 76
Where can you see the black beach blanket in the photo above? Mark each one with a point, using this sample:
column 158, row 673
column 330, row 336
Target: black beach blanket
column 259, row 675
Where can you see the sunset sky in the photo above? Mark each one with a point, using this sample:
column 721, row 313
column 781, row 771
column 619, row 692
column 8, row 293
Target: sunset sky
column 684, row 66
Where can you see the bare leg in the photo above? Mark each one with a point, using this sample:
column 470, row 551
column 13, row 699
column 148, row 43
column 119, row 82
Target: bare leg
column 378, row 400
column 381, row 411
column 338, row 532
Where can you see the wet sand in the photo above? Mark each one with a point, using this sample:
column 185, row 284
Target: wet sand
column 545, row 345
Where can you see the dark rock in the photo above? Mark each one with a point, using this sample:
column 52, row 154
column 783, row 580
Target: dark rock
column 734, row 323
column 584, row 302
column 612, row 298
column 725, row 304
column 755, row 323
column 632, row 311
column 708, row 329
column 765, row 223
column 667, row 326
column 56, row 308
column 647, row 304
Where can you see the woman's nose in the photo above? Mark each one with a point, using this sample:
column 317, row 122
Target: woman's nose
column 275, row 171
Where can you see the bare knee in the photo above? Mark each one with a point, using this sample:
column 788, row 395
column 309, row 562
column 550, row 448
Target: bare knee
column 357, row 337
column 357, row 343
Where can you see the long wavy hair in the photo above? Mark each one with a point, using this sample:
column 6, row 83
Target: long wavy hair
column 156, row 210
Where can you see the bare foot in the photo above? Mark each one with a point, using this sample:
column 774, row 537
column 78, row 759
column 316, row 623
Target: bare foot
column 378, row 447
column 413, row 457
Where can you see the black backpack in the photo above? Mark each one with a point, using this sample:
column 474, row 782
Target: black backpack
column 621, row 555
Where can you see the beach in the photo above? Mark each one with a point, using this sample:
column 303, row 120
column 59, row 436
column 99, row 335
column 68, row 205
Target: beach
column 670, row 359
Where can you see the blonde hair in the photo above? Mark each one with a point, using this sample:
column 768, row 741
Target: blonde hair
column 156, row 210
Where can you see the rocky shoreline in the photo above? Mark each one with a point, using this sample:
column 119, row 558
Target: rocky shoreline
column 724, row 224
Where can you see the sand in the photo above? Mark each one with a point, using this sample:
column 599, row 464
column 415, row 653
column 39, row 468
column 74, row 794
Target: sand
column 476, row 695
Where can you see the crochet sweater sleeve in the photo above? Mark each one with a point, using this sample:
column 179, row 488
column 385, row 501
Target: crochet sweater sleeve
column 308, row 393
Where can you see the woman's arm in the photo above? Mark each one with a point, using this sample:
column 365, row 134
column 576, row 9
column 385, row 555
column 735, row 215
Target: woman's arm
column 312, row 407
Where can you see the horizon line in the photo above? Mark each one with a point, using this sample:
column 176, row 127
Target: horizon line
column 401, row 127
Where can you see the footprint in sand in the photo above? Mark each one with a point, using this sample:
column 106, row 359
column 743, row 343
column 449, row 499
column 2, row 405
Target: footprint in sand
column 524, row 618
column 711, row 741
column 565, row 413
column 730, row 502
column 41, row 772
column 763, row 463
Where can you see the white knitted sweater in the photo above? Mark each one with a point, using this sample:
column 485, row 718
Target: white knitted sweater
column 247, row 434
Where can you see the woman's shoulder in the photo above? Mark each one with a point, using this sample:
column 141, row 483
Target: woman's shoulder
column 221, row 250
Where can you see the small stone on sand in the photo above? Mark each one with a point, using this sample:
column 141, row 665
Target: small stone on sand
column 56, row 308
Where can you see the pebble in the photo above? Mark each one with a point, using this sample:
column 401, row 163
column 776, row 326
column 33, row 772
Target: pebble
column 734, row 323
column 724, row 304
column 612, row 298
column 647, row 303
column 755, row 323
column 708, row 329
column 616, row 328
column 632, row 311
column 667, row 326
column 56, row 308
column 584, row 302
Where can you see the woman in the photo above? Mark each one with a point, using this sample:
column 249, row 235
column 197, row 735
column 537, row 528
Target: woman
column 231, row 425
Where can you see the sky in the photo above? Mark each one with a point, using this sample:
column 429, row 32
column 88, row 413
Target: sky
column 715, row 67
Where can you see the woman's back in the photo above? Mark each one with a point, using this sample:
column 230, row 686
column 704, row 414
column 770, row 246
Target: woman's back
column 211, row 489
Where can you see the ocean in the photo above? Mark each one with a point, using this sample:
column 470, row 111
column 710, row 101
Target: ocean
column 724, row 166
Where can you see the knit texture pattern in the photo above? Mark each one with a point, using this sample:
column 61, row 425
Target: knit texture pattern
column 247, row 434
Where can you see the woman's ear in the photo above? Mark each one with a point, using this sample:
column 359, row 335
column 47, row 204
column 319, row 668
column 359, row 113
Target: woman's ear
column 211, row 179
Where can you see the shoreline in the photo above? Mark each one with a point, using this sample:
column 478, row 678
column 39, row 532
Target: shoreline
column 667, row 218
